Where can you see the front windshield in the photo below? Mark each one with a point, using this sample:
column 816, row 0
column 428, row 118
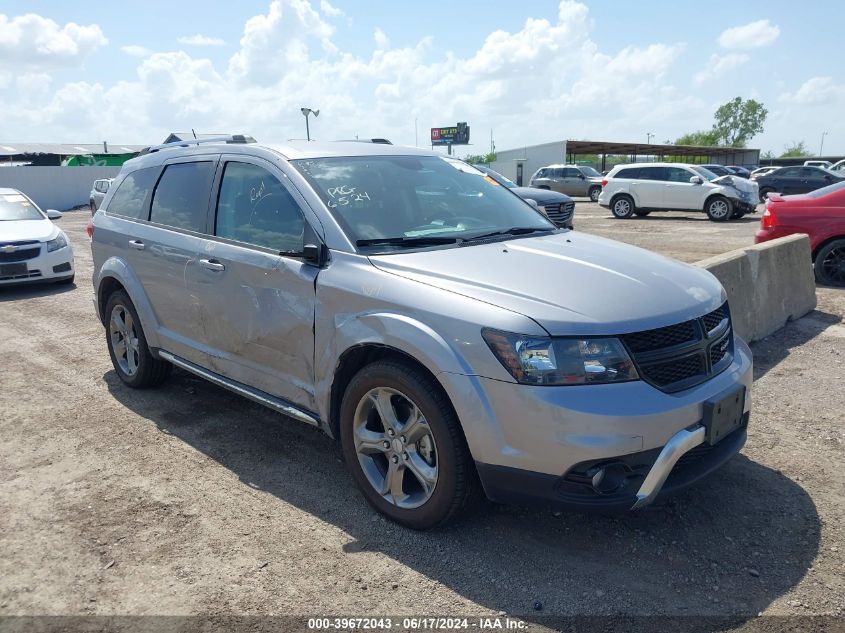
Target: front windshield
column 412, row 198
column 704, row 173
column 818, row 193
column 14, row 206
column 589, row 172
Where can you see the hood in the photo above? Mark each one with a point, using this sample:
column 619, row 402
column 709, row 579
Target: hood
column 737, row 182
column 570, row 283
column 25, row 230
column 541, row 196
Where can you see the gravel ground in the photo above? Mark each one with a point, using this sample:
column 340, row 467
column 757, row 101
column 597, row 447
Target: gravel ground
column 189, row 500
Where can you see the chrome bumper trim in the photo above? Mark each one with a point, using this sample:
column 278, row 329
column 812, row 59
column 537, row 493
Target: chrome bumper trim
column 677, row 445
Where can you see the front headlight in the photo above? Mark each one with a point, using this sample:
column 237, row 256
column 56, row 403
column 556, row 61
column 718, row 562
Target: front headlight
column 561, row 361
column 56, row 244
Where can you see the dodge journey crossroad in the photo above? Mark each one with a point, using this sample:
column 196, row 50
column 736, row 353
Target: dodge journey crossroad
column 445, row 332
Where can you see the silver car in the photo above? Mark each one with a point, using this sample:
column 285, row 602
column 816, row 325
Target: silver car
column 573, row 180
column 438, row 326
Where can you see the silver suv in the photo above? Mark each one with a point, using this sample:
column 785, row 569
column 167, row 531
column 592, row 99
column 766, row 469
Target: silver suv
column 438, row 326
column 573, row 180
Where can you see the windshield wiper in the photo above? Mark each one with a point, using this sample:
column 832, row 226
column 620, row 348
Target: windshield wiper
column 421, row 240
column 517, row 230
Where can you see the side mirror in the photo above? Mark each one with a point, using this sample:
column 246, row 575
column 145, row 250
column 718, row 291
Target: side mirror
column 53, row 214
column 696, row 180
column 316, row 254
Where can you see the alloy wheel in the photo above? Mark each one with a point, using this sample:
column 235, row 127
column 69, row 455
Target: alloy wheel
column 124, row 339
column 833, row 265
column 719, row 209
column 395, row 447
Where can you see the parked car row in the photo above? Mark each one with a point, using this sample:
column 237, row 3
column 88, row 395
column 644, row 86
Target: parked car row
column 796, row 179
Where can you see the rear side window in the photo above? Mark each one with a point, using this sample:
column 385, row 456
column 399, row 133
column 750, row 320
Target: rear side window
column 632, row 173
column 128, row 200
column 255, row 208
column 181, row 197
column 653, row 173
column 788, row 171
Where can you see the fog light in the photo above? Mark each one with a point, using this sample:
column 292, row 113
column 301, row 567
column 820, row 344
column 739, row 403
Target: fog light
column 608, row 479
column 62, row 268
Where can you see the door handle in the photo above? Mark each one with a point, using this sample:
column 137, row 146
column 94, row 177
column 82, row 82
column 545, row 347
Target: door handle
column 138, row 245
column 212, row 264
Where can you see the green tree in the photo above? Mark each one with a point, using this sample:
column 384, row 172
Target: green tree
column 795, row 149
column 483, row 159
column 705, row 138
column 767, row 154
column 737, row 121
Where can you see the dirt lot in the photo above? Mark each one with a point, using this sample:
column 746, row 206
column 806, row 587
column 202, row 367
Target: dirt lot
column 189, row 500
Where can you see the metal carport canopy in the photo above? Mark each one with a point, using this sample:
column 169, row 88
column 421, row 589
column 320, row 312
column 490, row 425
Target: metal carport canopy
column 646, row 149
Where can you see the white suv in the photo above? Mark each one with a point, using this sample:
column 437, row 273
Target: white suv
column 645, row 187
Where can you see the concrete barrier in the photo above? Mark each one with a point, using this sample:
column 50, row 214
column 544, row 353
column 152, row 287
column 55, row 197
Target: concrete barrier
column 767, row 284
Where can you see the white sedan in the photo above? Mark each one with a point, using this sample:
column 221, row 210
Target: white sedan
column 32, row 248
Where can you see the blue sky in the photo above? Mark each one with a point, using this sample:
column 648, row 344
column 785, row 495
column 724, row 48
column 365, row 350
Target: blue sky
column 530, row 71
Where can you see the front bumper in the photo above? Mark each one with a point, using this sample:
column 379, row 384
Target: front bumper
column 541, row 442
column 44, row 267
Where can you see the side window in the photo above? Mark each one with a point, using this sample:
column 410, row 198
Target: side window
column 181, row 198
column 557, row 172
column 128, row 200
column 632, row 173
column 543, row 173
column 790, row 172
column 255, row 208
column 676, row 174
column 810, row 172
column 571, row 173
column 653, row 173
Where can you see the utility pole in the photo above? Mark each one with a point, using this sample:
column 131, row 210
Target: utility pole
column 821, row 147
column 648, row 136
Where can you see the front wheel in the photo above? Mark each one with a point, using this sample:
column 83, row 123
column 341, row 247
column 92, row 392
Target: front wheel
column 133, row 362
column 404, row 446
column 718, row 208
column 764, row 193
column 623, row 207
column 829, row 264
column 594, row 194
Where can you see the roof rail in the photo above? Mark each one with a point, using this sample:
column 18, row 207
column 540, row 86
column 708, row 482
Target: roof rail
column 233, row 138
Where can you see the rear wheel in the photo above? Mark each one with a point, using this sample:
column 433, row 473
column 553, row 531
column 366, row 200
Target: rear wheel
column 764, row 192
column 404, row 446
column 623, row 207
column 829, row 264
column 92, row 206
column 718, row 208
column 594, row 193
column 130, row 355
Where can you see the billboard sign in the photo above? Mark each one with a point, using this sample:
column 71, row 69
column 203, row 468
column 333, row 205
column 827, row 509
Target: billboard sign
column 455, row 135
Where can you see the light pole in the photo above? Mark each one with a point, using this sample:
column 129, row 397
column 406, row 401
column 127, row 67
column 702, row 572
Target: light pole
column 648, row 136
column 821, row 147
column 305, row 113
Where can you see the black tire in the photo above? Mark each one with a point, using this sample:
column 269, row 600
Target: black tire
column 150, row 371
column 641, row 214
column 718, row 208
column 737, row 214
column 829, row 264
column 765, row 191
column 594, row 194
column 622, row 206
column 456, row 482
column 92, row 206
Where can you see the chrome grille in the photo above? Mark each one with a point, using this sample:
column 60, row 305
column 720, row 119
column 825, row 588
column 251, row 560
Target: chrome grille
column 560, row 213
column 683, row 355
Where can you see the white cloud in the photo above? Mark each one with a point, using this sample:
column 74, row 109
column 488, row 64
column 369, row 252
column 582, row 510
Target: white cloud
column 548, row 70
column 718, row 65
column 34, row 42
column 751, row 35
column 816, row 91
column 330, row 10
column 134, row 50
column 201, row 40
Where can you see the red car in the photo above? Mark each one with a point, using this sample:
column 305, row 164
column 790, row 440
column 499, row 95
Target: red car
column 821, row 215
